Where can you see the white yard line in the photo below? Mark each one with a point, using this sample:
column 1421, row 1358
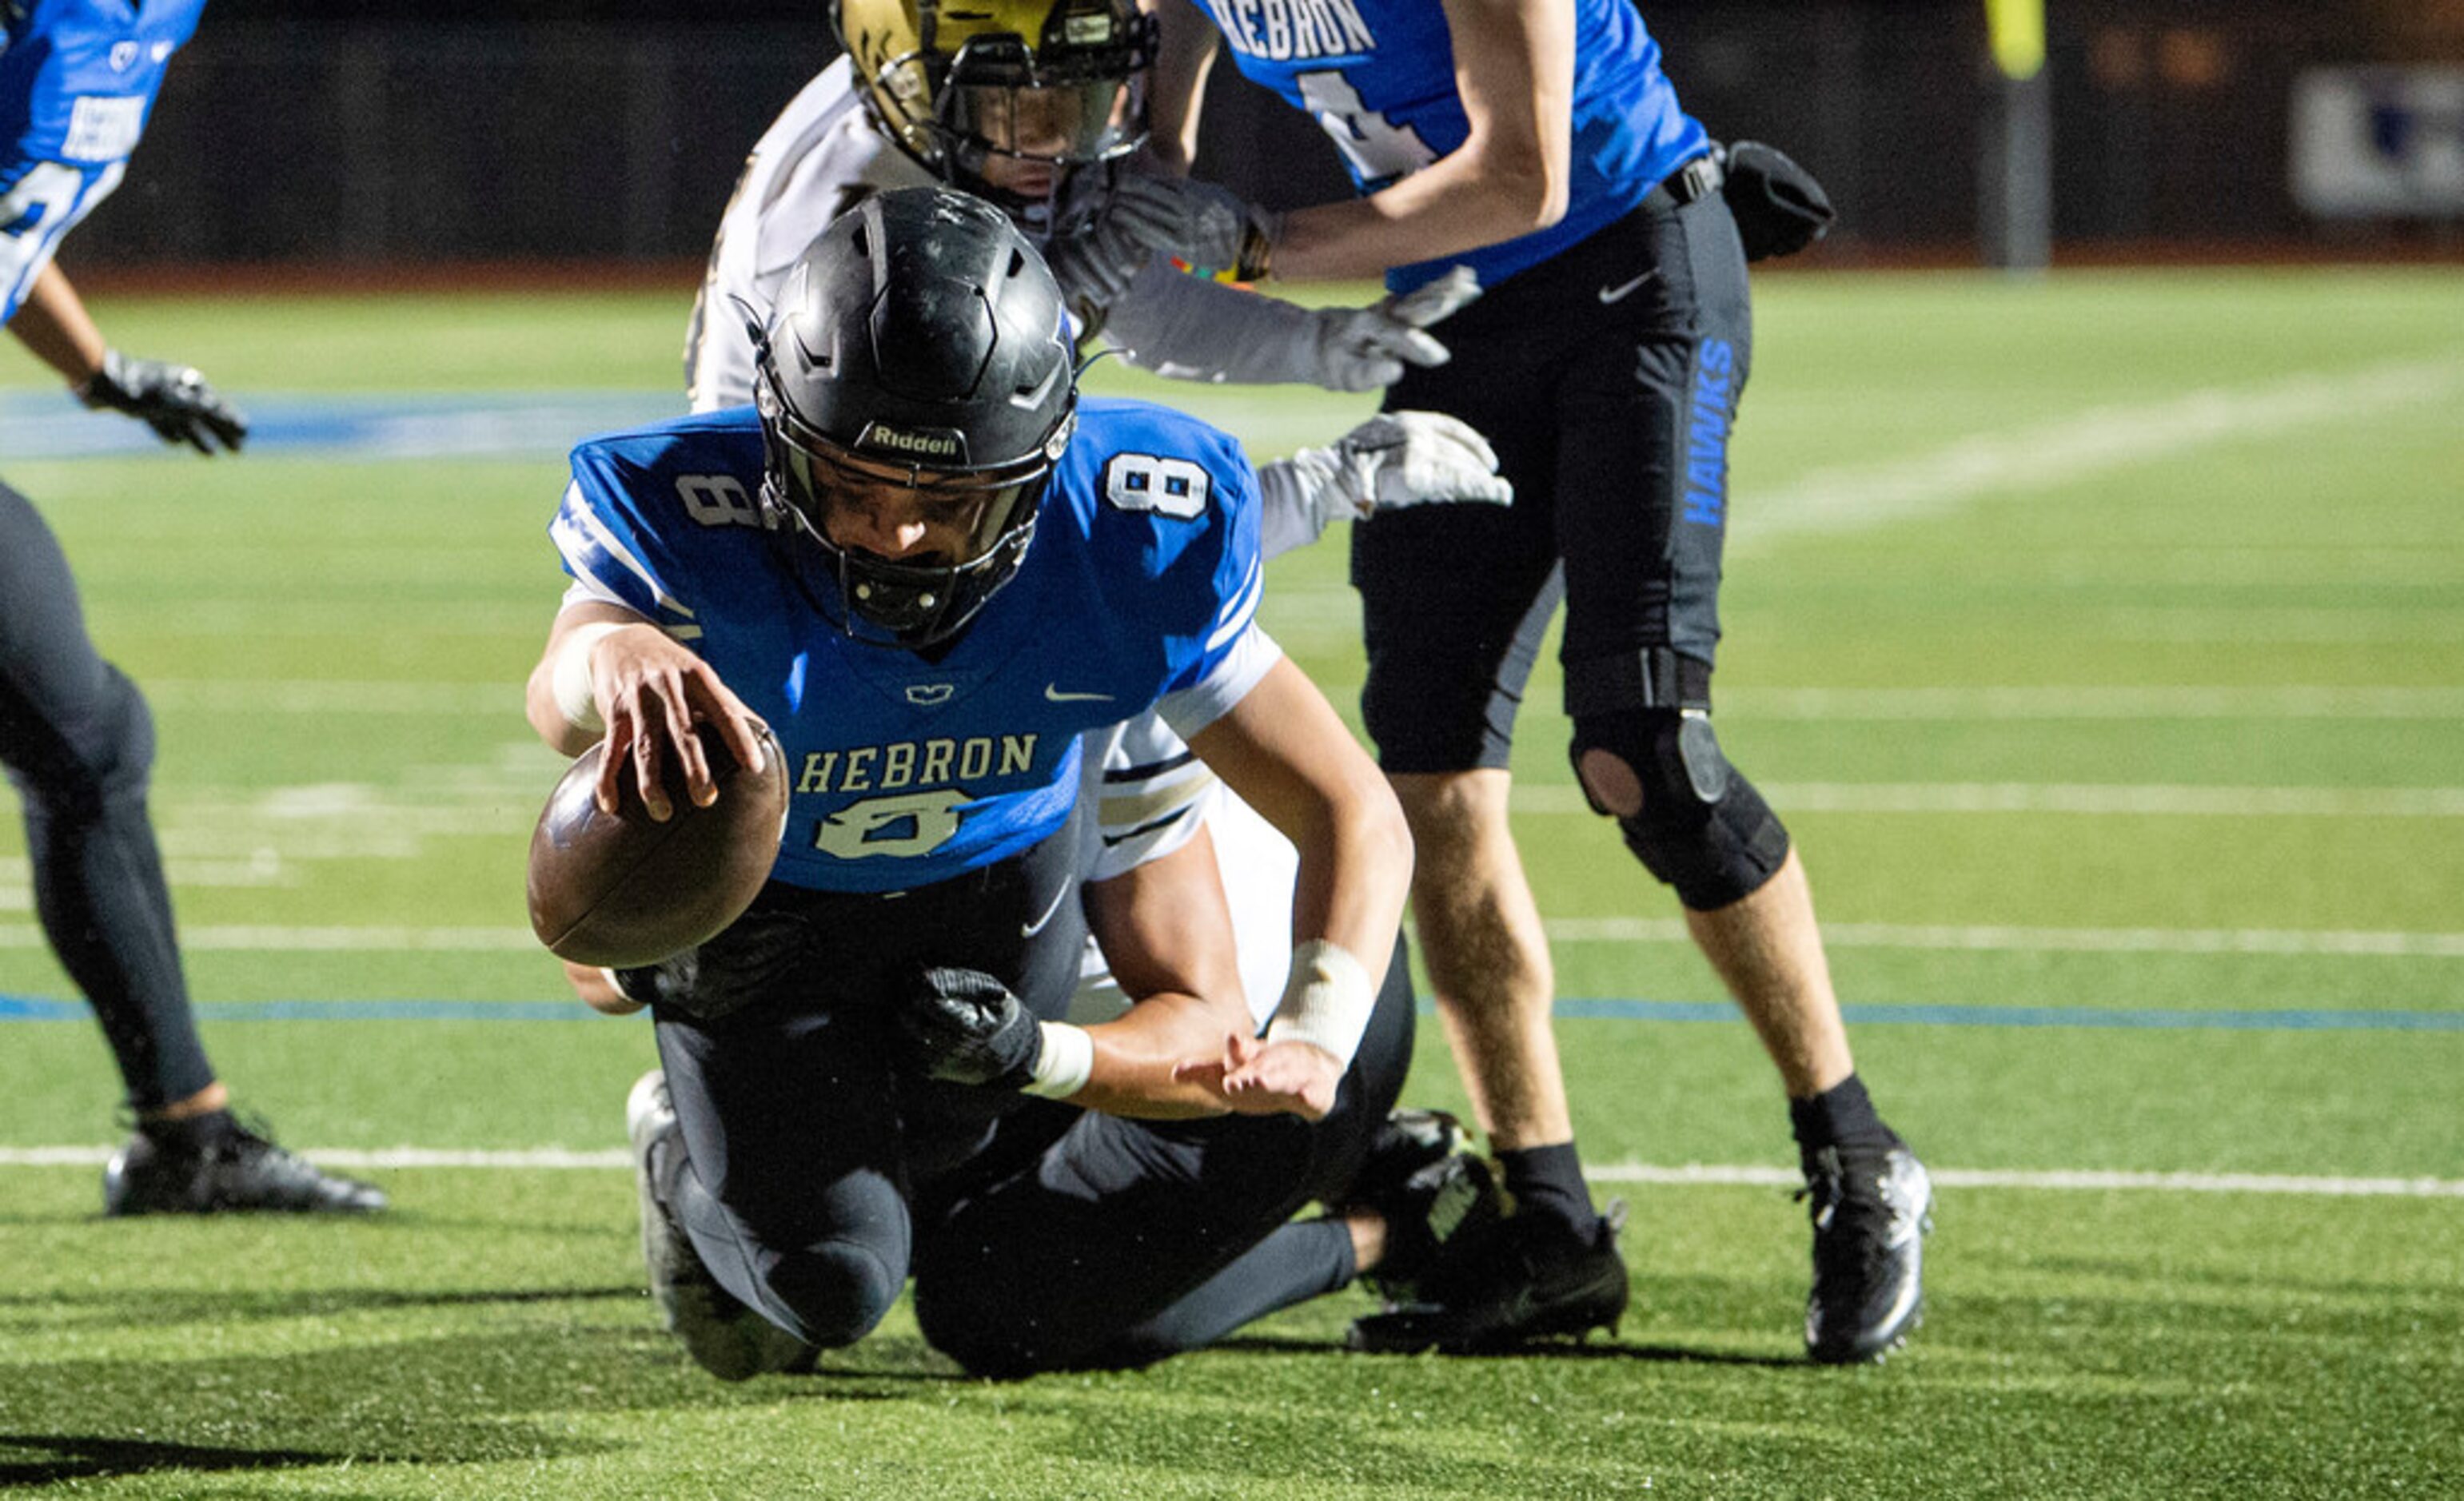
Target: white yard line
column 566, row 1159
column 2056, row 1179
column 1985, row 937
column 1990, row 937
column 2178, row 700
column 266, row 939
column 2066, row 797
column 501, row 701
column 2085, row 445
column 504, row 701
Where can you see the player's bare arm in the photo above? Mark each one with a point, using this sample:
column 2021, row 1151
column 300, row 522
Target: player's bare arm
column 646, row 692
column 168, row 396
column 1185, row 48
column 1287, row 753
column 53, row 324
column 1167, row 935
column 1514, row 68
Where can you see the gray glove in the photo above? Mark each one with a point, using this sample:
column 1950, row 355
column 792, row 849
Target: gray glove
column 1191, row 329
column 1208, row 225
column 1100, row 247
column 964, row 1027
column 1095, row 262
column 1363, row 349
column 172, row 400
column 1394, row 460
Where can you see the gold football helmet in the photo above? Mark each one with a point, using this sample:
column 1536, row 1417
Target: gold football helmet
column 1055, row 82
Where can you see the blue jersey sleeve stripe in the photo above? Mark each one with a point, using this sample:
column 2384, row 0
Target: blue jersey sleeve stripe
column 1191, row 709
column 589, row 547
column 1239, row 609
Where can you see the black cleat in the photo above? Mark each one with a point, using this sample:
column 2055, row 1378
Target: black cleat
column 1451, row 1200
column 237, row 1171
column 1871, row 1213
column 1524, row 1279
column 724, row 1337
column 1406, row 1142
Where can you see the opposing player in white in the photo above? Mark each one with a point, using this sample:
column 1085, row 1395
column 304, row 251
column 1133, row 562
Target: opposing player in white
column 1030, row 104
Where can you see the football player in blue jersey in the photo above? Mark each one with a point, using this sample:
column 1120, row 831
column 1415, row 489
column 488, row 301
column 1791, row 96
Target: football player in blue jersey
column 1542, row 145
column 76, row 83
column 929, row 569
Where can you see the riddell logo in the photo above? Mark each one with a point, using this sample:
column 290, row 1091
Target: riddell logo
column 929, row 442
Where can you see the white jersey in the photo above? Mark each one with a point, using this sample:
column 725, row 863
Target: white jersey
column 1151, row 796
column 824, row 154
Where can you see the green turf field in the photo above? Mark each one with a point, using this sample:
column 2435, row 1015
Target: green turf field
column 2102, row 639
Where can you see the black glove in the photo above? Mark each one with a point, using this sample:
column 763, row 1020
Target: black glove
column 964, row 1027
column 173, row 400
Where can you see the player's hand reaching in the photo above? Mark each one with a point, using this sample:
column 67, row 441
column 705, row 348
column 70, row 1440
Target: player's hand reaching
column 1398, row 459
column 964, row 1027
column 172, row 400
column 1394, row 460
column 1265, row 1078
column 1363, row 349
column 649, row 691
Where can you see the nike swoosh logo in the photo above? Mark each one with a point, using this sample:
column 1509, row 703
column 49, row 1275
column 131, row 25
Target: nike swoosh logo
column 1058, row 694
column 1030, row 929
column 1618, row 293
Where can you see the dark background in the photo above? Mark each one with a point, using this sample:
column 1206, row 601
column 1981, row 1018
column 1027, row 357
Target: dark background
column 401, row 134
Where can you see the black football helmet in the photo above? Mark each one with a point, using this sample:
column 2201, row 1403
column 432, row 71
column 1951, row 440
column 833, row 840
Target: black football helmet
column 918, row 343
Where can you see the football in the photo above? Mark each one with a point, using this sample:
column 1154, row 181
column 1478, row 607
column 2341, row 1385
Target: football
column 628, row 889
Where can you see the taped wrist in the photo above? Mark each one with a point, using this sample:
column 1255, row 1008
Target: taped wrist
column 570, row 678
column 1064, row 1063
column 1327, row 1000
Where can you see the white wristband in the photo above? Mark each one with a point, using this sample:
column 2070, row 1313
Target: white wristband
column 1064, row 1064
column 571, row 677
column 1327, row 1000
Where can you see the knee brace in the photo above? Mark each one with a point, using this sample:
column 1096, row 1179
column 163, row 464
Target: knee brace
column 1693, row 819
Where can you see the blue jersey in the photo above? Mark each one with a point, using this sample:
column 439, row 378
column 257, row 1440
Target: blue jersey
column 1139, row 586
column 77, row 80
column 1379, row 76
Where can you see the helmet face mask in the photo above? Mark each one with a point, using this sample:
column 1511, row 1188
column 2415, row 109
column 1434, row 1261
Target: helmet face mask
column 916, row 369
column 1005, row 96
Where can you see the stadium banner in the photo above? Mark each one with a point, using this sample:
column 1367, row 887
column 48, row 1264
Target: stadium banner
column 2379, row 142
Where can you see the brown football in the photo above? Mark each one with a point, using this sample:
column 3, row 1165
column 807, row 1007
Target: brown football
column 631, row 890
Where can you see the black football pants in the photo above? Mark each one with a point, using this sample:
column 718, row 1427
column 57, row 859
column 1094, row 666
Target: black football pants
column 1607, row 378
column 77, row 740
column 805, row 1132
column 1123, row 1241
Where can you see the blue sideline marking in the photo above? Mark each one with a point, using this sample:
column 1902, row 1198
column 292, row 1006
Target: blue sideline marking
column 31, row 1008
column 486, row 424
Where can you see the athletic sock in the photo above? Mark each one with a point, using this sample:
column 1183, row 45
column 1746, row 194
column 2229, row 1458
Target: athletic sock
column 1547, row 1181
column 1840, row 1116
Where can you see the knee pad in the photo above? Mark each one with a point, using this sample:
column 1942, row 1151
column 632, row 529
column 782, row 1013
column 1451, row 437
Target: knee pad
column 1692, row 819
